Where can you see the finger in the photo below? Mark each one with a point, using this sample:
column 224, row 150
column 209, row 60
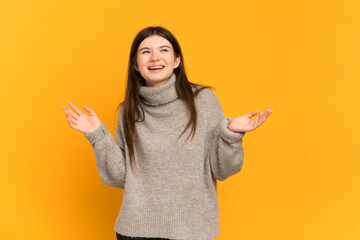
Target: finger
column 69, row 113
column 259, row 123
column 89, row 110
column 255, row 112
column 65, row 109
column 252, row 113
column 72, row 120
column 265, row 116
column 76, row 109
column 255, row 120
column 262, row 118
column 259, row 118
column 267, row 113
column 72, row 125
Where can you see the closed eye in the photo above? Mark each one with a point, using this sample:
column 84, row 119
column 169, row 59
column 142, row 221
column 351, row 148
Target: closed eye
column 146, row 51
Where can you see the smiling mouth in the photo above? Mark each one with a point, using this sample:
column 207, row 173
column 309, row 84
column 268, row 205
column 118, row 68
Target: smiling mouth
column 156, row 67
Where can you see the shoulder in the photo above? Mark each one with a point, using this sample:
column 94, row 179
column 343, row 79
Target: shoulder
column 205, row 95
column 208, row 107
column 121, row 108
column 120, row 111
column 207, row 102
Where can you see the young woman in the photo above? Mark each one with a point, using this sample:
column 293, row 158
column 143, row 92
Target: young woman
column 172, row 145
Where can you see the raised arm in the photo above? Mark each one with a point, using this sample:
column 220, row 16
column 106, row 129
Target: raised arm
column 110, row 155
column 227, row 153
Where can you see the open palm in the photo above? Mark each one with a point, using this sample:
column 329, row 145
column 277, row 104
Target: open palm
column 81, row 121
column 245, row 124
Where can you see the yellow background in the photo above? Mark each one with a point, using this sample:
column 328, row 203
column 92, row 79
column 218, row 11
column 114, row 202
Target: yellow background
column 300, row 178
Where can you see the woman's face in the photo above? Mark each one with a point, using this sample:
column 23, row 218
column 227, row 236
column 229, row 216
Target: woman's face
column 156, row 60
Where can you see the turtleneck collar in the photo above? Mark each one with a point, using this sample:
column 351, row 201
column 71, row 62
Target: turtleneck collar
column 160, row 94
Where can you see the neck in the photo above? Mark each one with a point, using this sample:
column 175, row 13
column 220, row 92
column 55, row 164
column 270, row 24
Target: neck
column 157, row 83
column 160, row 94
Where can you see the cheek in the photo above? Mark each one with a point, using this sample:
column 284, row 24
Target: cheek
column 170, row 59
column 140, row 62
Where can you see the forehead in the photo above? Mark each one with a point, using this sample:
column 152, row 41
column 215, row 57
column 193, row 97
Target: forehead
column 154, row 41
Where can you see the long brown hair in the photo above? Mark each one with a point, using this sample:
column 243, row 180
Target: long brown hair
column 132, row 103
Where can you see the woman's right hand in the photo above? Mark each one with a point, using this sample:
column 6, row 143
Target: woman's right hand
column 81, row 121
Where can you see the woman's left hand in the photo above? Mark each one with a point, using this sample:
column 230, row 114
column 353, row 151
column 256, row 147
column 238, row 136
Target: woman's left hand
column 245, row 124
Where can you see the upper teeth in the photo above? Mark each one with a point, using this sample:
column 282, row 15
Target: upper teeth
column 156, row 67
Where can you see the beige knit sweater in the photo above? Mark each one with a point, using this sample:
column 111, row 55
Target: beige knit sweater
column 174, row 193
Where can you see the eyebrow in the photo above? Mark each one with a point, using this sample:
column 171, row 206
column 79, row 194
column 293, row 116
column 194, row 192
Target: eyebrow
column 159, row 47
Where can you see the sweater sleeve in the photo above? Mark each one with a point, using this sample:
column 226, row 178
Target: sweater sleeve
column 110, row 155
column 226, row 153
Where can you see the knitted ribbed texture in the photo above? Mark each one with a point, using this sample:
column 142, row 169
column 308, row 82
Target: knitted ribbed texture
column 162, row 94
column 173, row 194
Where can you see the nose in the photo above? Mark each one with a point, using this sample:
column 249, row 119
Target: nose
column 154, row 56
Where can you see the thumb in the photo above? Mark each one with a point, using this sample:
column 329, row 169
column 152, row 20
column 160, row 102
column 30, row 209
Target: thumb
column 92, row 113
column 252, row 113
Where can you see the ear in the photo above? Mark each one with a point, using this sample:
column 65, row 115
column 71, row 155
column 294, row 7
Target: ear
column 136, row 67
column 177, row 61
